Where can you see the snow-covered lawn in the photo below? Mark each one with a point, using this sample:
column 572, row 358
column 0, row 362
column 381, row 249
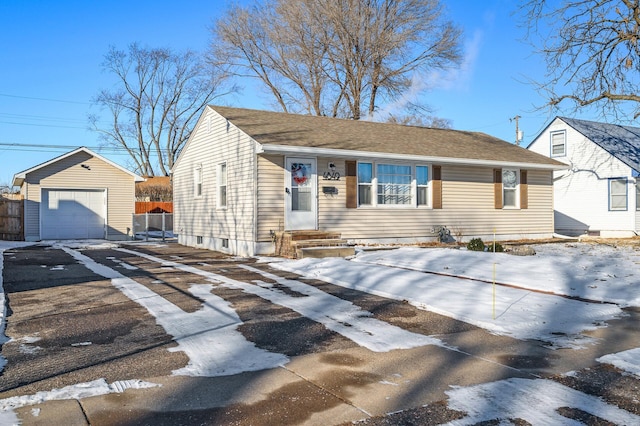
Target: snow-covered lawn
column 523, row 297
column 523, row 308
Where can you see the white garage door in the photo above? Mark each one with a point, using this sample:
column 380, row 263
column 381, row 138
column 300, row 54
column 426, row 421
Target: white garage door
column 72, row 214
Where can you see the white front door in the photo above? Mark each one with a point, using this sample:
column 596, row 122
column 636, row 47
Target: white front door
column 301, row 197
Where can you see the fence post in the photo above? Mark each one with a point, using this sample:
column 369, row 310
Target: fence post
column 163, row 226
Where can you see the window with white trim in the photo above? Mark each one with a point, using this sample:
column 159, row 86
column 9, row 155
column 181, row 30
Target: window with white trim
column 222, row 185
column 393, row 184
column 510, row 188
column 618, row 194
column 422, row 185
column 365, row 184
column 558, row 144
column 637, row 195
column 197, row 180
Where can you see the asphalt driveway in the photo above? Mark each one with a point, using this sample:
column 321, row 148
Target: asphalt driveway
column 68, row 322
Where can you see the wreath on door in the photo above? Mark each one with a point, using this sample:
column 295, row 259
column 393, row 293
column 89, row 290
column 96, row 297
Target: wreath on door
column 299, row 173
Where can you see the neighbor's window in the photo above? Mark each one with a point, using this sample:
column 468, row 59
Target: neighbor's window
column 197, row 180
column 509, row 188
column 618, row 194
column 558, row 144
column 365, row 179
column 222, row 185
column 394, row 183
column 422, row 185
column 637, row 195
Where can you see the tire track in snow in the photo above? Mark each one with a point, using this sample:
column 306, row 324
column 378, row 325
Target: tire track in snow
column 209, row 336
column 336, row 314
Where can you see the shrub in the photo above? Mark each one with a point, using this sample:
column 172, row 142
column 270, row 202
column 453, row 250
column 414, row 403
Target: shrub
column 475, row 244
column 498, row 247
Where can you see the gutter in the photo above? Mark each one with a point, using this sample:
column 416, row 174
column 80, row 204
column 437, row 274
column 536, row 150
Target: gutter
column 345, row 153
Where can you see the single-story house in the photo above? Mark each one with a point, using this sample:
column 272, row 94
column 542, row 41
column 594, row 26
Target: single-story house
column 597, row 193
column 245, row 175
column 77, row 195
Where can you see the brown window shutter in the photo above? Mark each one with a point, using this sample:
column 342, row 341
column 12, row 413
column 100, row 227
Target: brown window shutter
column 351, row 172
column 437, row 187
column 524, row 190
column 497, row 188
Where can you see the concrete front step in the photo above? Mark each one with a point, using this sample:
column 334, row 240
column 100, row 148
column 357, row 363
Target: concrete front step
column 312, row 235
column 322, row 252
column 291, row 243
column 316, row 243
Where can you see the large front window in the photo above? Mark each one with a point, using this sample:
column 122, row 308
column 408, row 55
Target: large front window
column 394, row 184
column 385, row 184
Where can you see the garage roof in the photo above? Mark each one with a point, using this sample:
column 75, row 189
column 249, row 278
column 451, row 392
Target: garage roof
column 19, row 178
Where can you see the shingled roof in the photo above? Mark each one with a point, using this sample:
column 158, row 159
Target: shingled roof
column 276, row 129
column 623, row 142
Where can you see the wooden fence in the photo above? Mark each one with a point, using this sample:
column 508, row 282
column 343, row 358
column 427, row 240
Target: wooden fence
column 154, row 207
column 11, row 219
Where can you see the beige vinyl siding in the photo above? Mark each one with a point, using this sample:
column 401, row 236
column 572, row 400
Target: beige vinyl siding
column 69, row 174
column 270, row 195
column 467, row 207
column 212, row 143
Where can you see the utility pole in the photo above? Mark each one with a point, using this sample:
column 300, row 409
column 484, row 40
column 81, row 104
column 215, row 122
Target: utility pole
column 518, row 132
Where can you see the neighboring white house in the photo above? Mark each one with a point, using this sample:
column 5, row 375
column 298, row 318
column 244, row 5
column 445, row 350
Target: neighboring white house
column 77, row 195
column 245, row 175
column 598, row 193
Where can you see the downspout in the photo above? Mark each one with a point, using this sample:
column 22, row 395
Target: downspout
column 254, row 231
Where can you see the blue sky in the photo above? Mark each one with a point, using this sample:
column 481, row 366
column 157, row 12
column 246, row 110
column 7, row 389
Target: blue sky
column 50, row 56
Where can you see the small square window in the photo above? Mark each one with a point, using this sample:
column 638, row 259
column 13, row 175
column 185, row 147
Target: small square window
column 225, row 243
column 199, row 239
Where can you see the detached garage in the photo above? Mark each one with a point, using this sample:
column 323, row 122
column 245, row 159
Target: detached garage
column 78, row 195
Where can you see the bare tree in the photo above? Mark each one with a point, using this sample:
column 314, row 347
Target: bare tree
column 157, row 102
column 420, row 121
column 336, row 57
column 591, row 52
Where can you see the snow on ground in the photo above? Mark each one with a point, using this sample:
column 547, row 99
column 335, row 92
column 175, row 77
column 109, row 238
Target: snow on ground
column 517, row 312
column 592, row 272
column 534, row 401
column 77, row 391
column 336, row 314
column 628, row 361
column 595, row 272
column 209, row 336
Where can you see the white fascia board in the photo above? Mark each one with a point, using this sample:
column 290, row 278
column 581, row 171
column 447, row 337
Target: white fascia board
column 345, row 153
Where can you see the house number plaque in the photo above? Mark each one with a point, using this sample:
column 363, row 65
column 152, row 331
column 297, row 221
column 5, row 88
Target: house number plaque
column 331, row 174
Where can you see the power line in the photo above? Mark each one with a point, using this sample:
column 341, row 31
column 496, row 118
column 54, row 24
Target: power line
column 6, row 95
column 44, row 125
column 9, row 115
column 30, row 147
